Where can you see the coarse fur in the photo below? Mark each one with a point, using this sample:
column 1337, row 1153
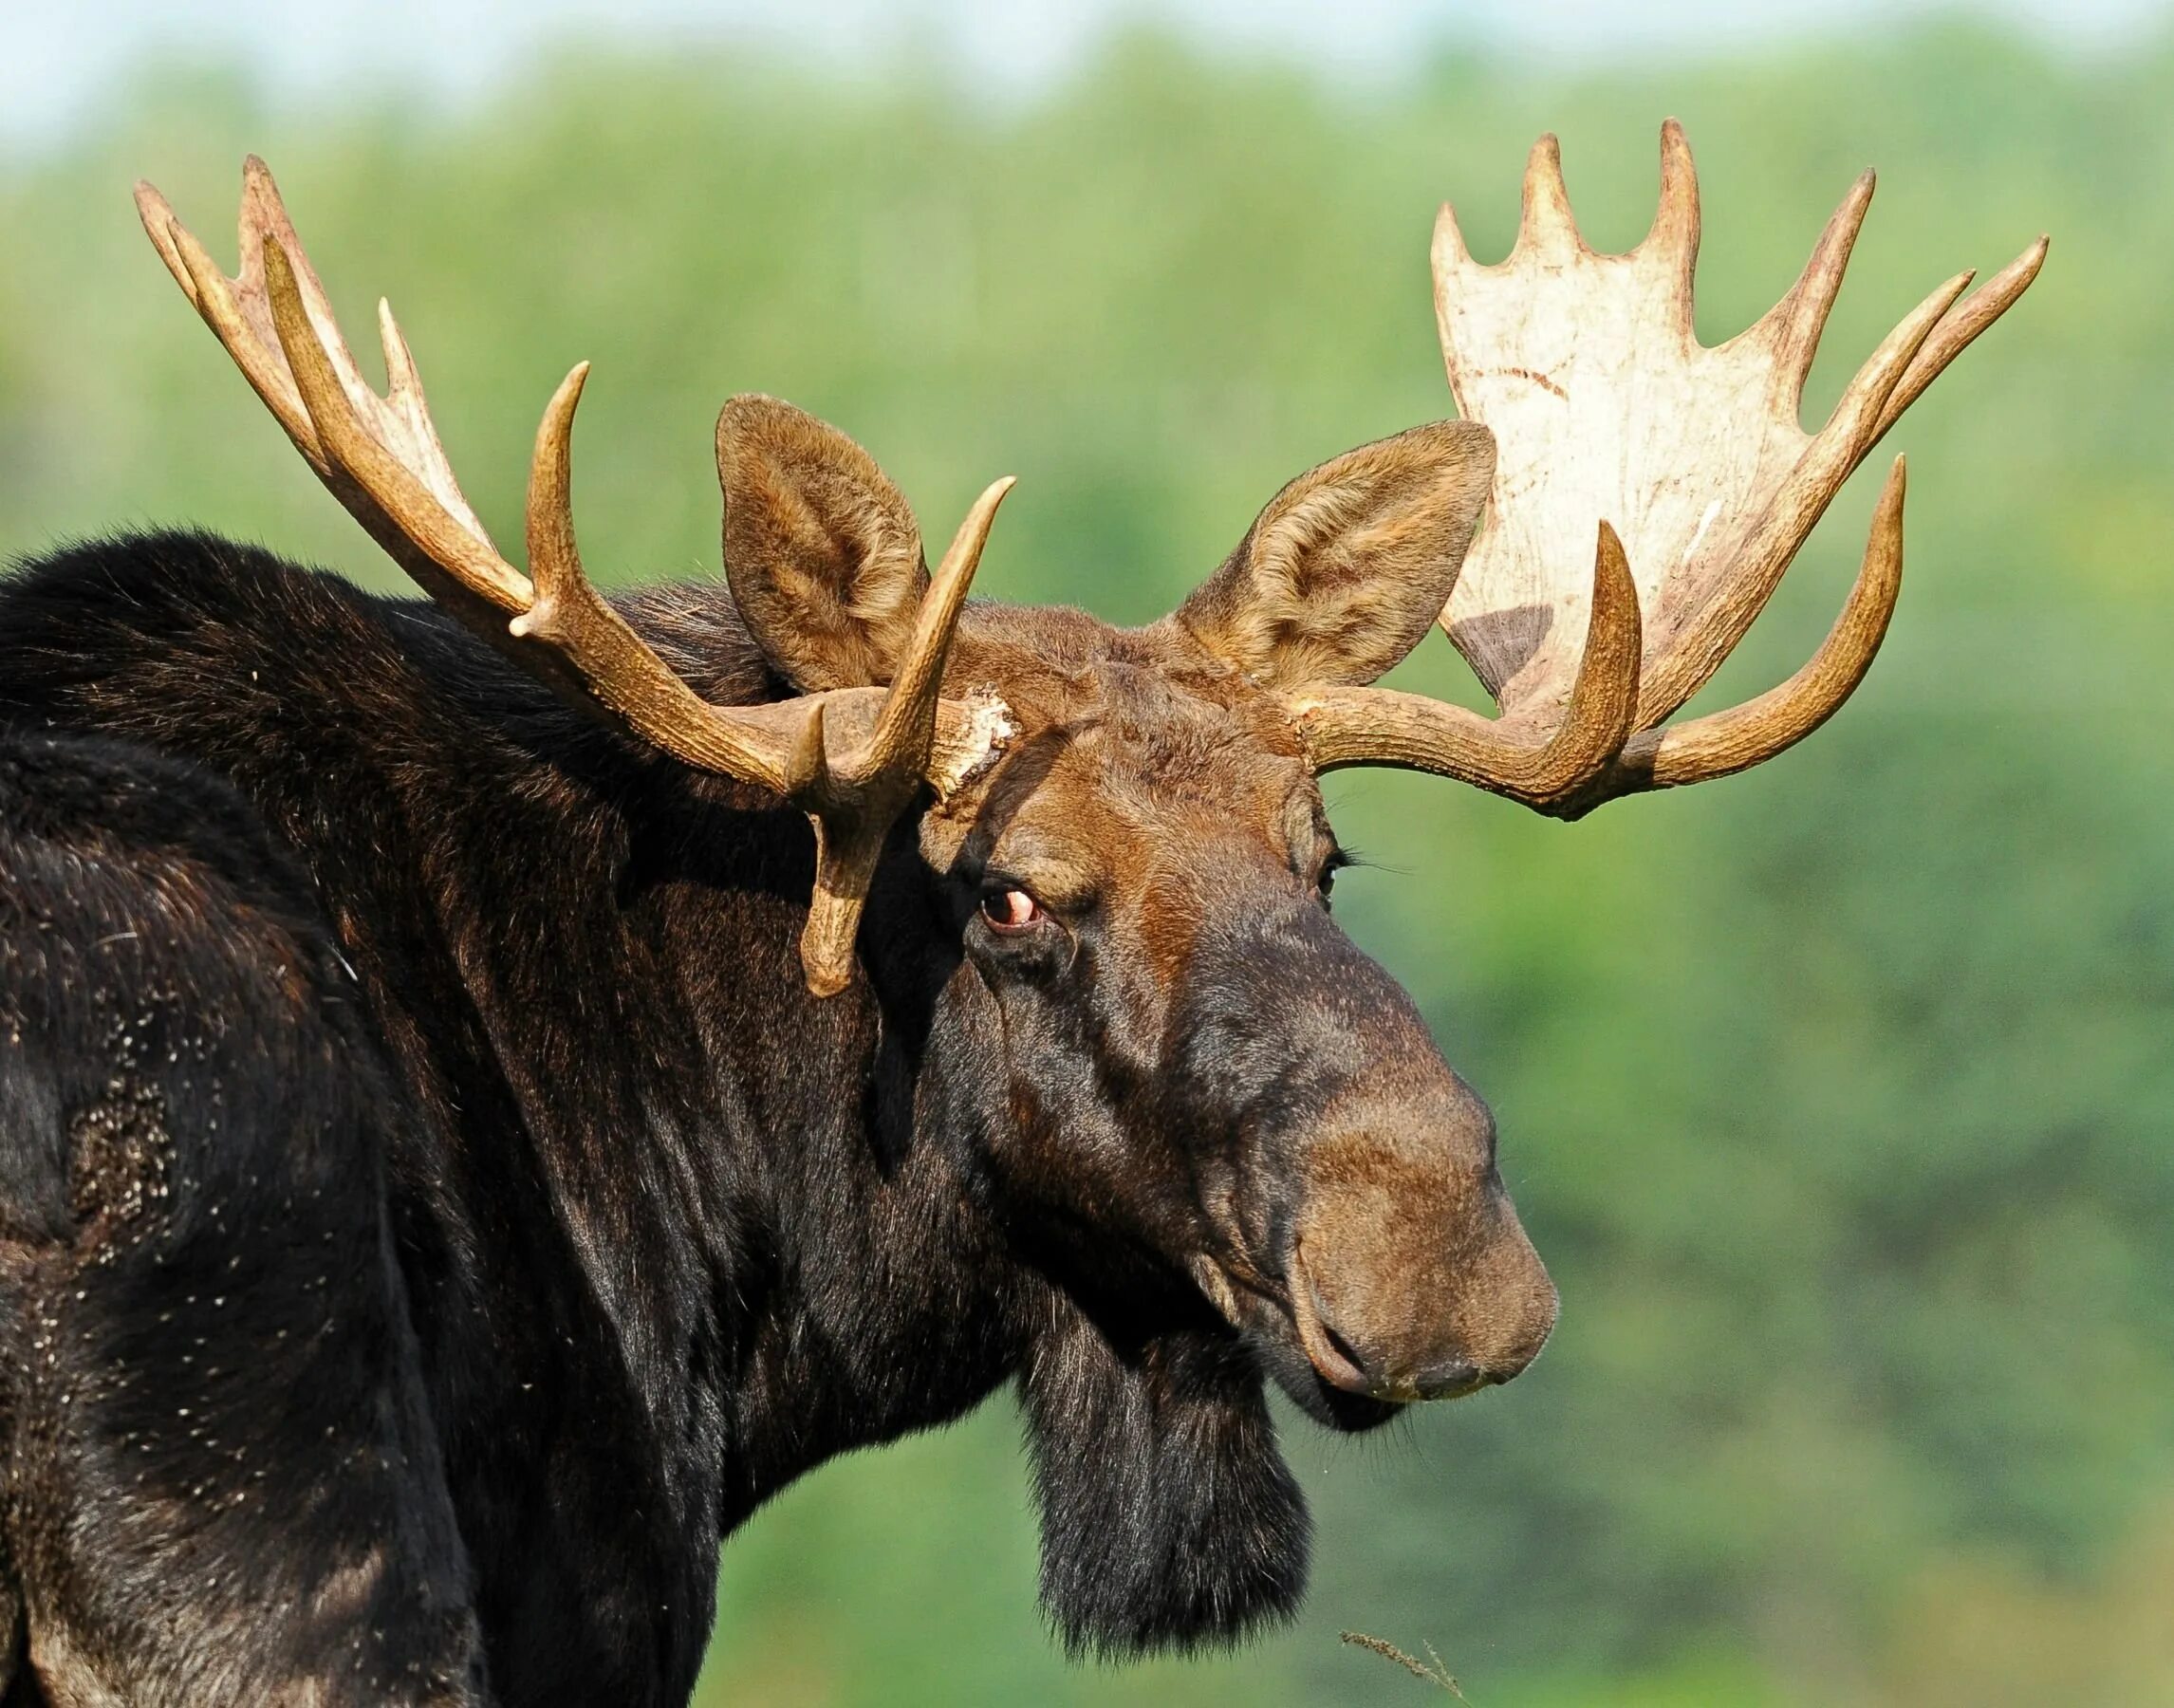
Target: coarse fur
column 196, row 1269
column 418, row 1076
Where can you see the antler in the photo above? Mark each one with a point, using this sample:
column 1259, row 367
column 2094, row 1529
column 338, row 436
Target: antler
column 1607, row 410
column 852, row 759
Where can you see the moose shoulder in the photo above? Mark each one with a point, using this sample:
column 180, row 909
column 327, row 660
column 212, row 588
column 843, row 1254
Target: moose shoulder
column 495, row 1089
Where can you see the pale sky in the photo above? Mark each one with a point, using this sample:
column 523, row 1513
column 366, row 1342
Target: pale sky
column 58, row 58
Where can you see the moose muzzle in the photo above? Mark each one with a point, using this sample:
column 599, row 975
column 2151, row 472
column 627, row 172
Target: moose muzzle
column 1409, row 1276
column 1385, row 1257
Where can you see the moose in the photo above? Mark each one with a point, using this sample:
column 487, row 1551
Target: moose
column 494, row 1088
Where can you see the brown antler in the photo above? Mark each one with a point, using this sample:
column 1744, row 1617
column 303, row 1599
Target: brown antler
column 852, row 759
column 1606, row 410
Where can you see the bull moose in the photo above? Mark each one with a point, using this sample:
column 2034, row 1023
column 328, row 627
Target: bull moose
column 493, row 1088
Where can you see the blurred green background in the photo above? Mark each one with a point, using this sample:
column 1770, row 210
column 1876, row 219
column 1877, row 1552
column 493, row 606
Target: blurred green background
column 1838, row 1096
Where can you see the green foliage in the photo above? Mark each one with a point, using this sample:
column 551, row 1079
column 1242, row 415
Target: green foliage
column 1838, row 1096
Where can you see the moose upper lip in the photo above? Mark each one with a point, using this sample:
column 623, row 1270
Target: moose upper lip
column 1298, row 1302
column 1325, row 1350
column 1295, row 1301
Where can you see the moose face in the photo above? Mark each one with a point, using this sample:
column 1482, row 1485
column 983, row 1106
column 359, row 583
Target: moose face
column 1195, row 1085
column 1202, row 1080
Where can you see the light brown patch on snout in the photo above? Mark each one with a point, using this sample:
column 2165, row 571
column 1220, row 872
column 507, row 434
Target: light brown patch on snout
column 1411, row 1277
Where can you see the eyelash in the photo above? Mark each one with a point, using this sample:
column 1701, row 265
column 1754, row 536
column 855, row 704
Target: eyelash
column 1338, row 860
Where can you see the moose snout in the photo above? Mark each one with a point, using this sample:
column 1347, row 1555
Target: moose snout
column 1409, row 1283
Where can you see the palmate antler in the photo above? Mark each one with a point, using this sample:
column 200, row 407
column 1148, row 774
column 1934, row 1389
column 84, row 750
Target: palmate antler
column 851, row 758
column 1609, row 413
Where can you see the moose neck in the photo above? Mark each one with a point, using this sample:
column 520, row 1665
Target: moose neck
column 765, row 1213
column 857, row 1281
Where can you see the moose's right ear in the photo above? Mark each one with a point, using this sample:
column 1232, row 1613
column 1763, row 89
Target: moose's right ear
column 1348, row 566
column 822, row 554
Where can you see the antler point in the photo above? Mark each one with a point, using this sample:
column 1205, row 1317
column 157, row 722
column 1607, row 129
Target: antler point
column 825, row 981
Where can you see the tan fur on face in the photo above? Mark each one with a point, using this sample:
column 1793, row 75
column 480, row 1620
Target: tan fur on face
column 1137, row 753
column 822, row 552
column 1417, row 1258
column 1349, row 565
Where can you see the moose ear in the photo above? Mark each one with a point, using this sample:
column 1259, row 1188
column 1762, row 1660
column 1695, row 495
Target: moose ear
column 1346, row 568
column 823, row 555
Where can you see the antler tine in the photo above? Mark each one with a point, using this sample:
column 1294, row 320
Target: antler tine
column 214, row 297
column 1345, row 726
column 1793, row 326
column 1868, row 390
column 1448, row 251
column 1545, row 224
column 1956, row 330
column 1754, row 732
column 554, row 558
column 907, row 723
column 861, row 796
column 1604, row 699
column 1795, row 508
column 1671, row 243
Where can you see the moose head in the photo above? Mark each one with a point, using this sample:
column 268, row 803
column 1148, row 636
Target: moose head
column 1083, row 872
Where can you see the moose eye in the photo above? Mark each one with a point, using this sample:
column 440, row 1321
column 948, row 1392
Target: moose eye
column 1324, row 885
column 1011, row 910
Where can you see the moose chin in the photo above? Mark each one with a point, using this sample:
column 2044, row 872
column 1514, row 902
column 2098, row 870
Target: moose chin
column 493, row 1088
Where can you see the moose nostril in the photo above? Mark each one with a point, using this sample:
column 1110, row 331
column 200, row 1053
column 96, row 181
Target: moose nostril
column 1332, row 1355
column 1344, row 1348
column 1448, row 1378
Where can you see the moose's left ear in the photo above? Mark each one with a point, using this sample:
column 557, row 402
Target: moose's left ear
column 821, row 551
column 1346, row 568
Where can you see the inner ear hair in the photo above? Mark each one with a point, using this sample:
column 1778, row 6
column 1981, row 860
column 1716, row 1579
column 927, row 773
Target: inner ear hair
column 822, row 552
column 1346, row 568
